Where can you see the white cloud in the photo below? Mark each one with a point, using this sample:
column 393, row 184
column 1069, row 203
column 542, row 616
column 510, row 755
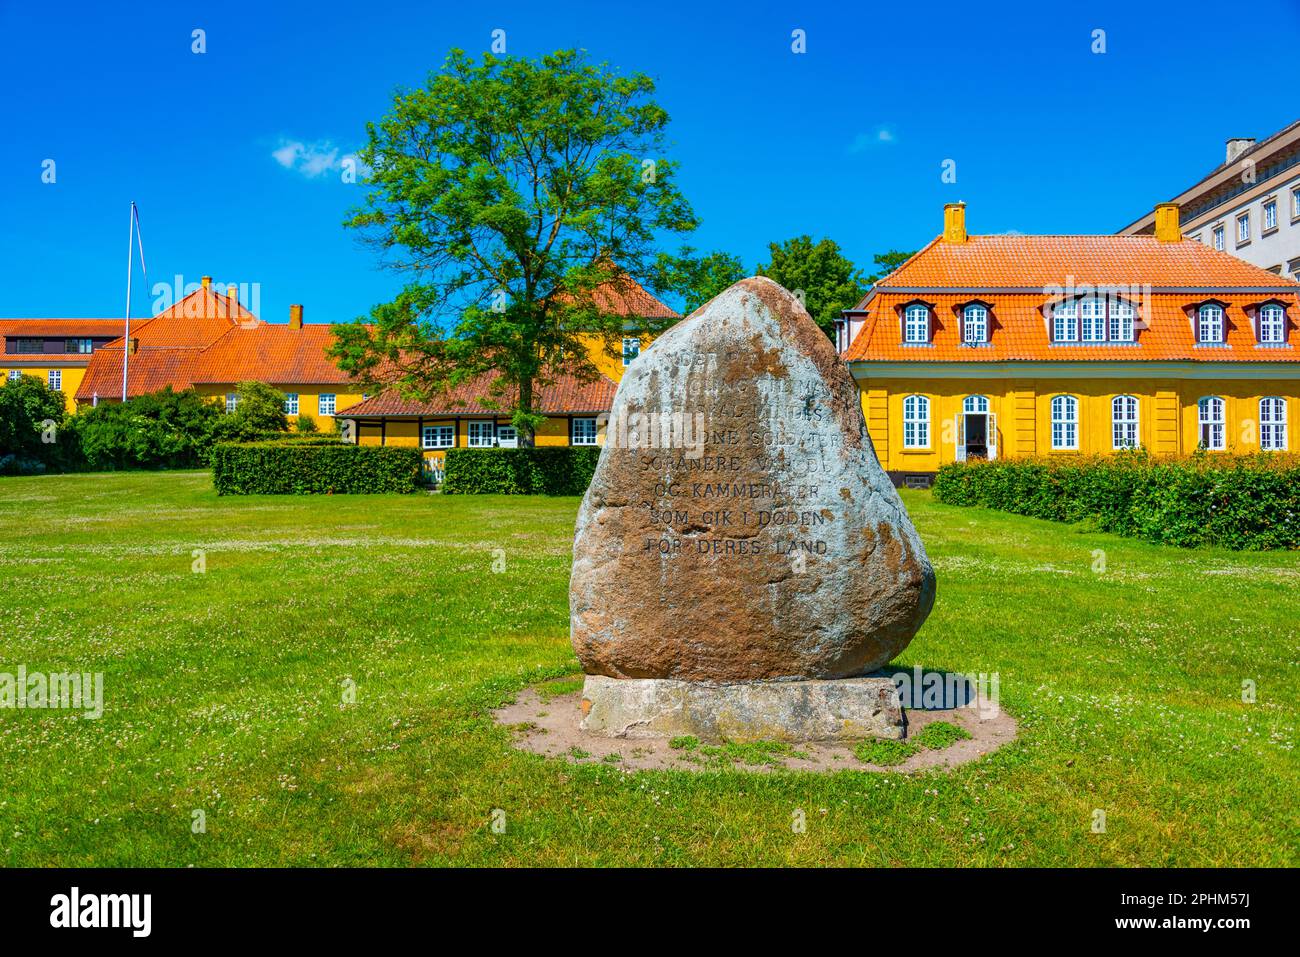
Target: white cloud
column 880, row 136
column 312, row 160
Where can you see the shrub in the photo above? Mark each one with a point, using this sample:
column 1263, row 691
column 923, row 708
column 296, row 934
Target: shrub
column 31, row 415
column 305, row 423
column 558, row 470
column 308, row 468
column 160, row 430
column 260, row 410
column 1232, row 501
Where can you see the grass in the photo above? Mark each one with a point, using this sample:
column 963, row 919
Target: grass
column 938, row 735
column 884, row 753
column 226, row 691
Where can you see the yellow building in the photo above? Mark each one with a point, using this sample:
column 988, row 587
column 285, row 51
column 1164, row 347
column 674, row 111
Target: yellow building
column 56, row 351
column 1064, row 346
column 210, row 343
column 469, row 417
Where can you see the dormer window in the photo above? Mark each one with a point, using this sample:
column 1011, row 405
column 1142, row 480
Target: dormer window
column 916, row 324
column 1093, row 320
column 975, row 324
column 1272, row 324
column 1209, row 324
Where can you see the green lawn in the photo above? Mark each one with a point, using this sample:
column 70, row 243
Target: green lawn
column 223, row 693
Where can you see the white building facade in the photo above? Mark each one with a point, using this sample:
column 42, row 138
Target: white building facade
column 1249, row 206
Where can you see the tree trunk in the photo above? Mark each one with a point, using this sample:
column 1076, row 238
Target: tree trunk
column 527, row 435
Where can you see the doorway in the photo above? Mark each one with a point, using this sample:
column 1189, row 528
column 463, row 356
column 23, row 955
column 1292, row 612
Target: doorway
column 977, row 433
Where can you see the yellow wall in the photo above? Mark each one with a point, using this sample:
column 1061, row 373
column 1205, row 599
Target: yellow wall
column 308, row 399
column 72, row 376
column 612, row 366
column 1168, row 420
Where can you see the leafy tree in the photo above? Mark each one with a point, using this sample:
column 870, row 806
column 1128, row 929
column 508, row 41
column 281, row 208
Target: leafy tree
column 504, row 191
column 31, row 415
column 829, row 281
column 160, row 430
column 260, row 409
column 697, row 278
column 887, row 263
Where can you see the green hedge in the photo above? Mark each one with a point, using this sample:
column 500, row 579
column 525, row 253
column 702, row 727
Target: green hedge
column 1232, row 501
column 559, row 470
column 307, row 468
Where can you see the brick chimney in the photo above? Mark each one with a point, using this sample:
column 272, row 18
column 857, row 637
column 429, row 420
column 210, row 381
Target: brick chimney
column 232, row 293
column 954, row 222
column 206, row 281
column 295, row 316
column 1168, row 229
column 1237, row 146
column 132, row 346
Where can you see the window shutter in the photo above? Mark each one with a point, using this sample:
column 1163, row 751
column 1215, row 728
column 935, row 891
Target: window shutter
column 961, row 437
column 993, row 437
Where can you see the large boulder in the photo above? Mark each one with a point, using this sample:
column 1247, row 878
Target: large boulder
column 739, row 526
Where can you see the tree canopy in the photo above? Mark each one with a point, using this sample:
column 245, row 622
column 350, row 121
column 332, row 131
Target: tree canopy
column 826, row 277
column 504, row 191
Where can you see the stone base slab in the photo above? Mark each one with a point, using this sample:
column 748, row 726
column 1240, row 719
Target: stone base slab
column 841, row 709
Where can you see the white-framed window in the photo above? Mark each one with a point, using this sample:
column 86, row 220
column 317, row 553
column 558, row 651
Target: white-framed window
column 15, row 375
column 1210, row 416
column 975, row 324
column 1124, row 422
column 232, row 401
column 1092, row 319
column 916, row 324
column 1218, row 238
column 583, row 432
column 437, row 436
column 79, row 346
column 1295, row 202
column 979, row 404
column 1065, row 422
column 325, row 403
column 1270, row 214
column 1272, row 324
column 1243, row 227
column 1209, row 323
column 1272, row 424
column 291, row 403
column 55, row 379
column 1122, row 315
column 631, row 349
column 481, row 435
column 1065, row 326
column 916, row 422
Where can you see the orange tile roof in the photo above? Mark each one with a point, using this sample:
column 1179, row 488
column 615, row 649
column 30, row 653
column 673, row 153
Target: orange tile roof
column 624, row 296
column 269, row 353
column 1017, row 277
column 566, row 396
column 1034, row 262
column 72, row 328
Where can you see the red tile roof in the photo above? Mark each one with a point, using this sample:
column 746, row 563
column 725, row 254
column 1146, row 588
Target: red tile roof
column 566, row 396
column 71, row 328
column 1034, row 262
column 1018, row 277
column 270, row 353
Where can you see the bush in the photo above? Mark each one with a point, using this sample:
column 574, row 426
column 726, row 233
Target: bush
column 1233, row 501
column 558, row 470
column 259, row 411
column 313, row 467
column 157, row 431
column 305, row 423
column 31, row 416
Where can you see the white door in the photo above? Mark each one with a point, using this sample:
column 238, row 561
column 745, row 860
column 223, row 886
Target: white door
column 507, row 437
column 993, row 437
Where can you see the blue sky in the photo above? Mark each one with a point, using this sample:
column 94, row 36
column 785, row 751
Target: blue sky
column 846, row 140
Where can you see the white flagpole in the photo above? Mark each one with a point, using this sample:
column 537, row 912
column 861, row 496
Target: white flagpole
column 126, row 340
